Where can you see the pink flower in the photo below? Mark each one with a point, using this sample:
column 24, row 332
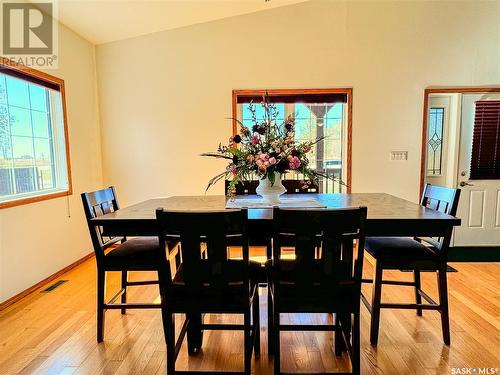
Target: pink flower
column 294, row 162
column 254, row 140
column 272, row 160
column 233, row 169
column 264, row 157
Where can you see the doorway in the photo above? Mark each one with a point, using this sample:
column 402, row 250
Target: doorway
column 461, row 148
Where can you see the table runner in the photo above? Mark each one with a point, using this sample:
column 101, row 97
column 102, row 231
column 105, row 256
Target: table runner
column 285, row 202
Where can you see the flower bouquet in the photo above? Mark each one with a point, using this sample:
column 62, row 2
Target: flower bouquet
column 267, row 149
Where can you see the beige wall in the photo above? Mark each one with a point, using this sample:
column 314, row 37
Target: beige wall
column 39, row 239
column 164, row 96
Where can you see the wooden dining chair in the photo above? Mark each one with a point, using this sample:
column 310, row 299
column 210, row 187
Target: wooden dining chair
column 213, row 283
column 292, row 187
column 416, row 254
column 299, row 187
column 117, row 254
column 260, row 235
column 243, row 187
column 329, row 284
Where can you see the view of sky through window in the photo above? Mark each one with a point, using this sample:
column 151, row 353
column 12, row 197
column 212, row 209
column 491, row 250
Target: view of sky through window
column 27, row 148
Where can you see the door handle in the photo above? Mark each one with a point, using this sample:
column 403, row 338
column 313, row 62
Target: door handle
column 463, row 183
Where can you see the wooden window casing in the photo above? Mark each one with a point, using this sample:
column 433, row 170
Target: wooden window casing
column 341, row 95
column 48, row 81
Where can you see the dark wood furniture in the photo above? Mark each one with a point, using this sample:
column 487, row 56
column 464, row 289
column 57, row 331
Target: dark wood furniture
column 209, row 283
column 387, row 215
column 244, row 187
column 298, row 187
column 137, row 254
column 291, row 186
column 264, row 232
column 417, row 254
column 328, row 283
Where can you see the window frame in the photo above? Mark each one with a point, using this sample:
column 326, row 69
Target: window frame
column 348, row 91
column 27, row 73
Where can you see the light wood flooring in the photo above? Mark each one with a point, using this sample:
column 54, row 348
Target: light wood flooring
column 54, row 333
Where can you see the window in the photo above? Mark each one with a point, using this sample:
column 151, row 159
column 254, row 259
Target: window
column 435, row 141
column 34, row 151
column 318, row 113
column 485, row 160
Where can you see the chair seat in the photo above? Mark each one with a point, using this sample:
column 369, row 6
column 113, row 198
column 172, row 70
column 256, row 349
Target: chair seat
column 329, row 291
column 207, row 297
column 232, row 274
column 139, row 253
column 398, row 248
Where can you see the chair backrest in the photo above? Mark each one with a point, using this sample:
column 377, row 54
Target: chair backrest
column 206, row 269
column 243, row 187
column 299, row 187
column 99, row 203
column 291, row 186
column 441, row 198
column 339, row 266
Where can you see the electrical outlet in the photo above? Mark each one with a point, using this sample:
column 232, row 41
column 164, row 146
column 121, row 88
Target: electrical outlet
column 399, row 155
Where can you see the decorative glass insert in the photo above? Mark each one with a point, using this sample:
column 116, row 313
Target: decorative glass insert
column 435, row 141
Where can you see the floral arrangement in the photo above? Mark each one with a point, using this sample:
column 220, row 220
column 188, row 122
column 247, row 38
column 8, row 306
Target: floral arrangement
column 266, row 148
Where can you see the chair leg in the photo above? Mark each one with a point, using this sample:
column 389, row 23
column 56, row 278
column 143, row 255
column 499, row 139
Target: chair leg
column 194, row 332
column 418, row 297
column 276, row 341
column 248, row 343
column 270, row 322
column 339, row 343
column 101, row 295
column 376, row 299
column 169, row 330
column 443, row 302
column 256, row 322
column 356, row 346
column 124, row 287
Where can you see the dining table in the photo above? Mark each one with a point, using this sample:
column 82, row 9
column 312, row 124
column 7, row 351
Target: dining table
column 387, row 216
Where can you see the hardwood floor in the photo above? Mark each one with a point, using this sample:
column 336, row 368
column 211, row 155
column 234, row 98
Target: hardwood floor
column 54, row 333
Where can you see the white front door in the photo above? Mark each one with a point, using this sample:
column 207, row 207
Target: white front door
column 479, row 206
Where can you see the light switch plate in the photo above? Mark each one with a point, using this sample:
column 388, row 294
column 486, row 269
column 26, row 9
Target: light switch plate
column 399, row 155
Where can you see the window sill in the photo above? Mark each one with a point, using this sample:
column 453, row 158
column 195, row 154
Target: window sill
column 36, row 198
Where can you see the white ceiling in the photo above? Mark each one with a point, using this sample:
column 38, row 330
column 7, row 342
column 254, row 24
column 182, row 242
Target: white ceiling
column 109, row 20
